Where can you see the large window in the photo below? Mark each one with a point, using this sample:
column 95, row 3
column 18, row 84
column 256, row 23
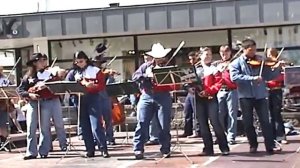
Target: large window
column 193, row 41
column 118, row 46
column 9, row 57
column 285, row 36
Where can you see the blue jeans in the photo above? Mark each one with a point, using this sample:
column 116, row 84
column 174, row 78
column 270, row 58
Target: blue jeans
column 228, row 109
column 46, row 108
column 189, row 105
column 158, row 105
column 105, row 100
column 261, row 108
column 275, row 105
column 208, row 109
column 91, row 110
column 154, row 130
column 57, row 118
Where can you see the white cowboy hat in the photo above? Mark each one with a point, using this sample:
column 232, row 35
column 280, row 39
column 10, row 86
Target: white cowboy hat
column 158, row 51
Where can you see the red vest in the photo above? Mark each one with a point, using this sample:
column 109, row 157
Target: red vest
column 277, row 82
column 227, row 81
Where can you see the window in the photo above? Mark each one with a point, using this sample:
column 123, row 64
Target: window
column 117, row 46
column 193, row 41
column 285, row 36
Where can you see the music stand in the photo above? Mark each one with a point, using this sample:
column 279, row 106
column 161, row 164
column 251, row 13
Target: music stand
column 171, row 75
column 7, row 93
column 119, row 89
column 73, row 87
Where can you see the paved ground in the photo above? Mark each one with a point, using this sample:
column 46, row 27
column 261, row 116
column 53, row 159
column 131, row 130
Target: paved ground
column 122, row 156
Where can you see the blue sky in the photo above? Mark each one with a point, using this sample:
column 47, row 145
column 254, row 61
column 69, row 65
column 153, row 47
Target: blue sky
column 29, row 6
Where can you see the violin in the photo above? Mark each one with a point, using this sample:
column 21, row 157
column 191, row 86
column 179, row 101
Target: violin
column 268, row 62
column 55, row 74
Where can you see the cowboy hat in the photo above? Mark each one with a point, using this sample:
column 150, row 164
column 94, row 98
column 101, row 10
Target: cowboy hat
column 35, row 57
column 158, row 51
column 100, row 48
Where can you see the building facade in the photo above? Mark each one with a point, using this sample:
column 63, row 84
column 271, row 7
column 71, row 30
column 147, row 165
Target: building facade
column 131, row 30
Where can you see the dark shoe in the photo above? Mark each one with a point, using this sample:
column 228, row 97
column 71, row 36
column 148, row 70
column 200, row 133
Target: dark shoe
column 44, row 156
column 105, row 155
column 152, row 143
column 232, row 142
column 274, row 150
column 29, row 157
column 206, row 153
column 284, row 142
column 225, row 153
column 253, row 150
column 64, row 148
column 89, row 155
column 166, row 155
column 111, row 143
column 139, row 155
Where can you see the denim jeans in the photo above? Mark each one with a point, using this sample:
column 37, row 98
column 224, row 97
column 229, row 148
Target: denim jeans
column 158, row 106
column 57, row 117
column 107, row 115
column 91, row 110
column 154, row 130
column 208, row 109
column 189, row 105
column 228, row 109
column 32, row 118
column 262, row 110
column 275, row 105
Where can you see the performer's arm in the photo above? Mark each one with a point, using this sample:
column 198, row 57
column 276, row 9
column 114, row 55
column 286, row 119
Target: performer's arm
column 22, row 90
column 70, row 76
column 236, row 74
column 140, row 73
column 216, row 84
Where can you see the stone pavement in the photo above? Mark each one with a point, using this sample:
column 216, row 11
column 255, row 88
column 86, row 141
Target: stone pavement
column 122, row 156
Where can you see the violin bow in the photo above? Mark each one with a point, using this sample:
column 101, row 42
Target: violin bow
column 263, row 61
column 111, row 61
column 280, row 53
column 11, row 71
column 53, row 62
column 176, row 51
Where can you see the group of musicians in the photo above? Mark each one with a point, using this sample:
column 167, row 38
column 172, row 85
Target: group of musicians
column 221, row 85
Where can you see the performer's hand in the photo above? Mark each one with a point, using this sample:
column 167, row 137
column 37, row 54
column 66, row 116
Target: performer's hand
column 258, row 78
column 203, row 94
column 149, row 72
column 40, row 85
column 89, row 84
column 33, row 96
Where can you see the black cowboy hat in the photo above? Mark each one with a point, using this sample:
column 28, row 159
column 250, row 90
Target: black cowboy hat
column 100, row 48
column 35, row 57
